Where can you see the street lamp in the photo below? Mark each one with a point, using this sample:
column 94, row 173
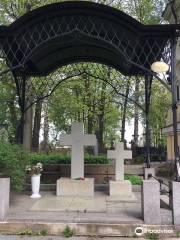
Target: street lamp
column 160, row 67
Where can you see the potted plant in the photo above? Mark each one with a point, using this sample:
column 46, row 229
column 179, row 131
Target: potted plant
column 35, row 173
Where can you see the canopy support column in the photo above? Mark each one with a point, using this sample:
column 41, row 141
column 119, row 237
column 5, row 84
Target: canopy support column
column 174, row 107
column 148, row 83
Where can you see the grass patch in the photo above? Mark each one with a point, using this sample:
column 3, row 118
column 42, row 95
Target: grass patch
column 30, row 232
column 135, row 180
column 152, row 236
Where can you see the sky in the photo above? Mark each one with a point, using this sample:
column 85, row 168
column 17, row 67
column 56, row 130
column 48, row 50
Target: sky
column 128, row 134
column 130, row 131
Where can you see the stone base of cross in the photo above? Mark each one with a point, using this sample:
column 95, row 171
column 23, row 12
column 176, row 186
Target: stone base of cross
column 120, row 187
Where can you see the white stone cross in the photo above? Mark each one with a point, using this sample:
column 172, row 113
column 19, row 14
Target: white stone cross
column 77, row 139
column 119, row 154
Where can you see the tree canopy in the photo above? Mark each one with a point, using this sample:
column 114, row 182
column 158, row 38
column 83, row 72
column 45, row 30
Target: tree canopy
column 94, row 93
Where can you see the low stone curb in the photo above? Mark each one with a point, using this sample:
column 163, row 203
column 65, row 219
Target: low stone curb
column 15, row 237
column 88, row 229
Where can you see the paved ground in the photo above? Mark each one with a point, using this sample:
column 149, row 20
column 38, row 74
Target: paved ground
column 73, row 238
column 101, row 202
column 101, row 208
column 61, row 238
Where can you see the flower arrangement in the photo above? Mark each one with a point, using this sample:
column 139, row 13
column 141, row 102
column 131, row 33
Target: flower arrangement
column 34, row 169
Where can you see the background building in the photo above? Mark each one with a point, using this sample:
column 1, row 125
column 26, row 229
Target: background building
column 168, row 130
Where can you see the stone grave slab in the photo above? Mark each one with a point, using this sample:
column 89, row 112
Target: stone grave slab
column 73, row 187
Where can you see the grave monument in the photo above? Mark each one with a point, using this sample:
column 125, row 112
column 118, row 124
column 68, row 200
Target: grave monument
column 119, row 186
column 77, row 185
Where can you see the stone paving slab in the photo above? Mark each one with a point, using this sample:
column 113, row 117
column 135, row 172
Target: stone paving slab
column 100, row 209
column 8, row 237
column 101, row 203
column 70, row 204
column 15, row 237
column 123, row 216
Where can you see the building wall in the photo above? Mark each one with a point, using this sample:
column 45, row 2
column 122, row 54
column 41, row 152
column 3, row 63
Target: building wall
column 170, row 146
column 168, row 16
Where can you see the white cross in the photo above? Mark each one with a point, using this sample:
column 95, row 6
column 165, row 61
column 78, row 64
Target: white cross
column 77, row 139
column 119, row 154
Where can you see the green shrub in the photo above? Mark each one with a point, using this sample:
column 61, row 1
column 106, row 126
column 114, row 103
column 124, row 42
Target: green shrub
column 165, row 171
column 68, row 232
column 26, row 232
column 101, row 159
column 30, row 232
column 139, row 159
column 66, row 159
column 135, row 180
column 13, row 162
column 152, row 236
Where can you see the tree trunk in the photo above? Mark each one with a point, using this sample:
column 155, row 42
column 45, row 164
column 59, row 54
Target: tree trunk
column 136, row 113
column 124, row 112
column 19, row 131
column 13, row 119
column 27, row 131
column 37, row 126
column 89, row 105
column 101, row 118
column 101, row 131
column 45, row 143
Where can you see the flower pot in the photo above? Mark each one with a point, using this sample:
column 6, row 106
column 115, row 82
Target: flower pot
column 35, row 184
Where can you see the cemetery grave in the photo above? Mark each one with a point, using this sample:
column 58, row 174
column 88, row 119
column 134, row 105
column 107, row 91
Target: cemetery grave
column 106, row 66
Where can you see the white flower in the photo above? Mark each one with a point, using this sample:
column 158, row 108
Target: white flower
column 39, row 165
column 28, row 168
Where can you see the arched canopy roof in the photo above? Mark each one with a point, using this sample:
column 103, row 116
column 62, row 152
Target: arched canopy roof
column 61, row 33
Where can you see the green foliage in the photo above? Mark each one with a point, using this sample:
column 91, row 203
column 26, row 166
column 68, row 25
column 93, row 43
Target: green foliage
column 66, row 159
column 135, row 180
column 13, row 162
column 30, row 232
column 160, row 103
column 144, row 11
column 101, row 159
column 139, row 159
column 68, row 232
column 85, row 98
column 26, row 232
column 165, row 171
column 152, row 236
column 43, row 232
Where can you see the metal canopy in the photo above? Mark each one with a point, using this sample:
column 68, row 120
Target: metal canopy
column 57, row 34
column 70, row 32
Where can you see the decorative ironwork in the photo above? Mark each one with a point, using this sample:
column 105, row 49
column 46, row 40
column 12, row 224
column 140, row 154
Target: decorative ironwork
column 70, row 32
column 129, row 48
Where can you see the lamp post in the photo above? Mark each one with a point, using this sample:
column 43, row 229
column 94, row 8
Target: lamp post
column 162, row 67
column 157, row 67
